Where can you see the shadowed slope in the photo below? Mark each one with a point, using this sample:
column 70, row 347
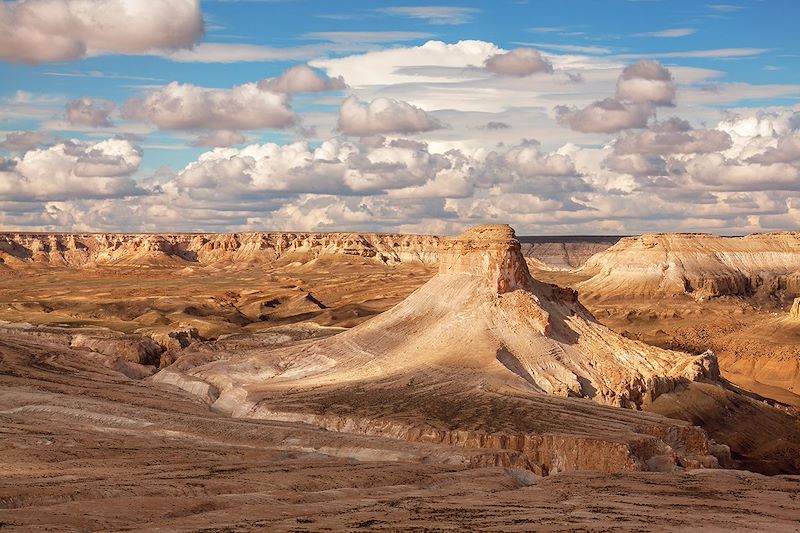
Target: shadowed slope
column 470, row 352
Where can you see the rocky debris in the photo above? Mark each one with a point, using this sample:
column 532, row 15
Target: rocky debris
column 699, row 265
column 482, row 355
column 171, row 338
column 132, row 348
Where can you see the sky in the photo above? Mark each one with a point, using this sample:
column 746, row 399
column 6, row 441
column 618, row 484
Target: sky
column 557, row 117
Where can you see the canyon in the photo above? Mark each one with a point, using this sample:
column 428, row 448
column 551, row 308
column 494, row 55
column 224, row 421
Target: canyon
column 348, row 378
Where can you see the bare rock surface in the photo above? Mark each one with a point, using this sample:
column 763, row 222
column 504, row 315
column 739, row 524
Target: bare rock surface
column 481, row 337
column 20, row 250
column 700, row 265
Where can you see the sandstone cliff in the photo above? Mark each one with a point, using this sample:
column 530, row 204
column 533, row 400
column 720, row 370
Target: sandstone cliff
column 564, row 252
column 19, row 250
column 23, row 249
column 699, row 265
column 481, row 355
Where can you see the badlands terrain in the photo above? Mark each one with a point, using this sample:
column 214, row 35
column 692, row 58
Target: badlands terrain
column 342, row 381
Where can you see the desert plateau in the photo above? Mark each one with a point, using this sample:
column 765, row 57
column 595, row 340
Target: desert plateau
column 345, row 381
column 399, row 266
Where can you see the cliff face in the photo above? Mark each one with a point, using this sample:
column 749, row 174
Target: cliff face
column 481, row 355
column 21, row 249
column 564, row 252
column 794, row 312
column 18, row 250
column 698, row 265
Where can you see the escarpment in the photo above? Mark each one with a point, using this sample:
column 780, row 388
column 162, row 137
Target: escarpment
column 698, row 265
column 482, row 355
column 86, row 250
column 21, row 250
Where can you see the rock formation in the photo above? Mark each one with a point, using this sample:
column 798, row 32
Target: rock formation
column 481, row 355
column 699, row 265
column 23, row 249
column 794, row 312
column 564, row 252
column 19, row 250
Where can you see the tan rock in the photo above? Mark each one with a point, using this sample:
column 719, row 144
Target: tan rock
column 700, row 265
column 479, row 338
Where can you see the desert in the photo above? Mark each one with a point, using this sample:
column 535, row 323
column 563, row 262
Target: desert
column 399, row 266
column 338, row 375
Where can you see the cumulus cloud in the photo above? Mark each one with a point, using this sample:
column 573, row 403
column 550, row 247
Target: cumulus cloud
column 178, row 106
column 89, row 112
column 673, row 142
column 636, row 164
column 335, row 167
column 73, row 169
column 640, row 87
column 41, row 31
column 518, row 62
column 22, row 141
column 221, row 138
column 495, row 125
column 646, row 82
column 605, row 116
column 718, row 172
column 383, row 115
column 389, row 66
column 302, row 79
column 787, row 150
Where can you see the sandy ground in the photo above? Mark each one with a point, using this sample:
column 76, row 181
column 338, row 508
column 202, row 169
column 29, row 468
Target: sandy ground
column 85, row 449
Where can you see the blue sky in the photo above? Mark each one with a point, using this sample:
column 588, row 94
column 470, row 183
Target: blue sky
column 533, row 146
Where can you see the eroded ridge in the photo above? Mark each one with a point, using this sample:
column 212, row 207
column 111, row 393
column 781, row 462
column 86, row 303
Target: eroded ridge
column 481, row 355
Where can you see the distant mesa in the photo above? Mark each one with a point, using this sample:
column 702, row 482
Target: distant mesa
column 698, row 265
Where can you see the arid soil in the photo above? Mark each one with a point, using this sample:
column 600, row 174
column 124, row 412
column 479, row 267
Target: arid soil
column 94, row 438
column 86, row 449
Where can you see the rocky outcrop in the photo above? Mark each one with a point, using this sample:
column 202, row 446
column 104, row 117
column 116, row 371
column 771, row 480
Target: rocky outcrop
column 482, row 355
column 567, row 252
column 131, row 348
column 180, row 250
column 699, row 265
column 794, row 312
column 18, row 250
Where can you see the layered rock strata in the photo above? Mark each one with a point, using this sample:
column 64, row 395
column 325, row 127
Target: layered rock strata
column 85, row 250
column 21, row 249
column 699, row 265
column 481, row 355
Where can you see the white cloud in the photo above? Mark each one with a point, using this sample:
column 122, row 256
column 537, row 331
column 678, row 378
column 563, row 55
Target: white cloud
column 179, row 106
column 673, row 142
column 302, row 79
column 444, row 15
column 72, row 169
column 646, row 82
column 385, row 67
column 605, row 116
column 221, row 138
column 518, row 62
column 41, row 31
column 22, row 141
column 383, row 115
column 89, row 112
column 669, row 34
column 366, row 36
column 714, row 53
